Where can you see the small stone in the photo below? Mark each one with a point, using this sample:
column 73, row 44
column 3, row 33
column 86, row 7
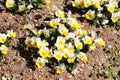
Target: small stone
column 4, row 78
column 69, row 76
column 60, row 79
column 75, row 71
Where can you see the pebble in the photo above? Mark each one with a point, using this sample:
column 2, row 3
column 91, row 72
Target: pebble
column 3, row 78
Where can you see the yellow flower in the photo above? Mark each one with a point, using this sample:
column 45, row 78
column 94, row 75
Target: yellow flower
column 82, row 56
column 74, row 4
column 47, row 1
column 58, row 55
column 3, row 38
column 63, row 30
column 43, row 52
column 60, row 14
column 87, row 40
column 50, row 55
column 71, row 58
column 40, row 62
column 79, row 33
column 10, row 33
column 41, row 44
column 78, row 44
column 65, row 53
column 97, row 3
column 60, row 69
column 70, row 47
column 90, row 15
column 92, row 47
column 46, row 32
column 10, row 3
column 60, row 43
column 100, row 41
column 54, row 23
column 75, row 24
column 87, row 3
column 85, row 32
column 115, row 17
column 3, row 49
column 28, row 42
column 36, row 32
column 111, row 7
column 34, row 42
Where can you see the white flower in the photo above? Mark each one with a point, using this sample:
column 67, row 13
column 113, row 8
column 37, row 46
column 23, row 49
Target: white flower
column 30, row 6
column 21, row 7
column 70, row 36
column 46, row 32
column 105, row 22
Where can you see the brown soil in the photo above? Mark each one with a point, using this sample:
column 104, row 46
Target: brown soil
column 19, row 65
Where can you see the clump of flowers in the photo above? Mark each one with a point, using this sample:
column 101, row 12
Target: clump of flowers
column 100, row 11
column 22, row 5
column 5, row 40
column 63, row 43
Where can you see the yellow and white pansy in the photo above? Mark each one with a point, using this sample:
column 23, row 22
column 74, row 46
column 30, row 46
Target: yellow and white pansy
column 40, row 62
column 97, row 3
column 92, row 47
column 3, row 38
column 70, row 36
column 74, row 23
column 58, row 55
column 44, row 52
column 87, row 40
column 70, row 47
column 90, row 15
column 63, row 31
column 60, row 69
column 34, row 42
column 111, row 6
column 115, row 17
column 41, row 43
column 87, row 3
column 65, row 53
column 78, row 43
column 54, row 23
column 60, row 14
column 46, row 33
column 82, row 56
column 3, row 49
column 10, row 3
column 28, row 42
column 71, row 58
column 78, row 3
column 37, row 32
column 11, row 33
column 100, row 41
column 79, row 33
column 60, row 43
